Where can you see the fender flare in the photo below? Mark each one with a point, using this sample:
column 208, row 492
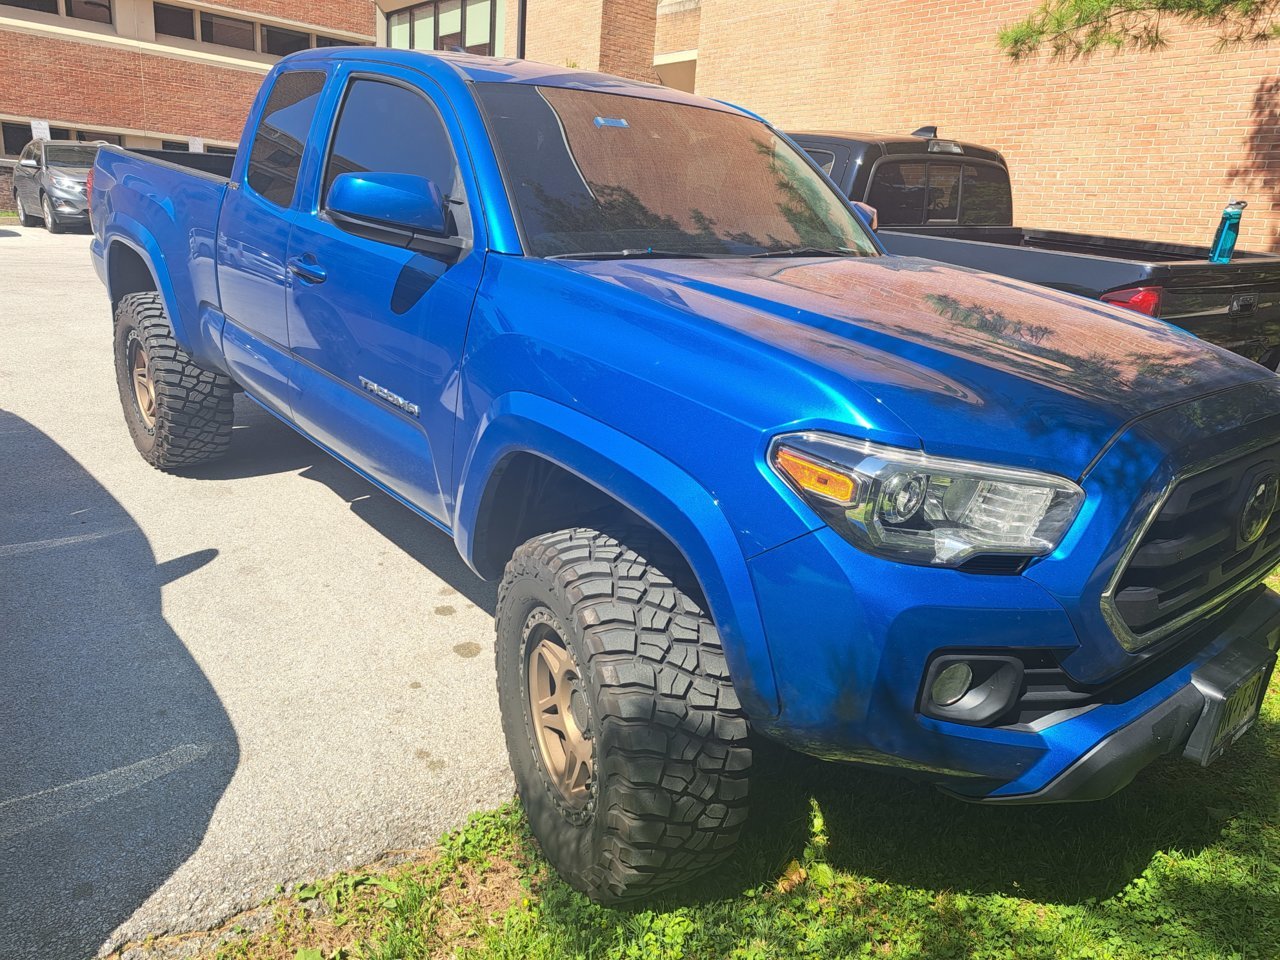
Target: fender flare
column 201, row 335
column 653, row 487
column 130, row 233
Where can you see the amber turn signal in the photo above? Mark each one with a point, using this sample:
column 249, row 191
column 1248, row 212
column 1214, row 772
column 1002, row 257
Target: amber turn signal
column 815, row 477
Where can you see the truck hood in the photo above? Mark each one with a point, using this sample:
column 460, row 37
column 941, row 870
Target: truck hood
column 978, row 366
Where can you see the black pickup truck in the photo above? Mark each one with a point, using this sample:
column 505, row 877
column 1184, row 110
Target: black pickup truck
column 951, row 201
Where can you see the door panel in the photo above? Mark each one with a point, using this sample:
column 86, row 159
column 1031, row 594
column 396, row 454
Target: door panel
column 253, row 239
column 379, row 338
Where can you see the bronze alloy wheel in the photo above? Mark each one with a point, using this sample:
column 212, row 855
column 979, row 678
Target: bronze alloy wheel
column 558, row 707
column 144, row 388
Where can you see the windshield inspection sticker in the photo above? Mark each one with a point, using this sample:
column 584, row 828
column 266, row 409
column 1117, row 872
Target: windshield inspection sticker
column 611, row 122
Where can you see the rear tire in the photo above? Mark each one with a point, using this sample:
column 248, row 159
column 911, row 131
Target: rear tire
column 179, row 414
column 50, row 219
column 24, row 218
column 645, row 688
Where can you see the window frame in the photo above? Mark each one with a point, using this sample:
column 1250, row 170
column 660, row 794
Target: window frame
column 459, row 202
column 248, row 157
column 218, row 15
column 928, row 158
column 434, row 5
column 56, row 12
column 192, row 16
column 109, row 4
column 262, row 38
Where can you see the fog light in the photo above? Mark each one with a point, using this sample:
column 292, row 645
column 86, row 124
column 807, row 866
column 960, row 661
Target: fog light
column 951, row 684
column 977, row 688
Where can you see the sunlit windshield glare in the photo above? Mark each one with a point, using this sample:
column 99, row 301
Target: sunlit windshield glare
column 595, row 172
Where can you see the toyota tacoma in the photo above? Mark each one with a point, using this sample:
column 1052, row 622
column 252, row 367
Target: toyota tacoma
column 740, row 473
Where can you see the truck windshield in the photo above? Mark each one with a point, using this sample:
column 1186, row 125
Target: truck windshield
column 70, row 156
column 601, row 173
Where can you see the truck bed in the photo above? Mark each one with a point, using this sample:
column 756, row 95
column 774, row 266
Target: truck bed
column 1236, row 305
column 177, row 196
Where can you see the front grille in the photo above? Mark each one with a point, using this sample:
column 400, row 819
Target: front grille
column 1193, row 556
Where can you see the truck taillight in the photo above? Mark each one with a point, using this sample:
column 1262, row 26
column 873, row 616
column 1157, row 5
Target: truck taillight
column 1142, row 299
column 88, row 193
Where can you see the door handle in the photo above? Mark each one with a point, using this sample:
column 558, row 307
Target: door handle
column 307, row 269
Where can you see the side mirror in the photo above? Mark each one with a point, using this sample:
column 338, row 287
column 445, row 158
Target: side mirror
column 868, row 214
column 398, row 201
column 29, row 162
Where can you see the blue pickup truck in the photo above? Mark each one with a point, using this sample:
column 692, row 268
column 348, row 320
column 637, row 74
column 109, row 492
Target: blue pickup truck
column 740, row 472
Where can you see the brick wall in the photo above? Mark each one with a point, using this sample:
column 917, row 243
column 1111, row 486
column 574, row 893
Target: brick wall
column 131, row 90
column 627, row 37
column 615, row 36
column 1143, row 144
column 677, row 28
column 6, row 187
column 565, row 33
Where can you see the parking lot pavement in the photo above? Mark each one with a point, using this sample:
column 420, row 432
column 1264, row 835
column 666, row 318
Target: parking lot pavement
column 214, row 683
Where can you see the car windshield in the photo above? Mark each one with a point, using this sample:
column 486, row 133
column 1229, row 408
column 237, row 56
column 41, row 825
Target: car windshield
column 69, row 156
column 618, row 175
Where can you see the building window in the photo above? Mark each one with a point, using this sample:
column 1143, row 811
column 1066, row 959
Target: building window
column 40, row 6
column 281, row 42
column 470, row 25
column 174, row 21
column 99, row 11
column 336, row 42
column 227, row 31
column 16, row 136
column 175, row 145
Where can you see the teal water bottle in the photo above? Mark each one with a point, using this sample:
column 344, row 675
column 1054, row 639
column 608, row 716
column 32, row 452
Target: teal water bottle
column 1224, row 242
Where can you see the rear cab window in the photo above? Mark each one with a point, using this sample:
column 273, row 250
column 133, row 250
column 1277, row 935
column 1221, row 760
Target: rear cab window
column 278, row 143
column 918, row 192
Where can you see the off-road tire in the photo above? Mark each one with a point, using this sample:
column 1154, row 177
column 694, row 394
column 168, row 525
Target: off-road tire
column 193, row 413
column 50, row 218
column 24, row 218
column 669, row 740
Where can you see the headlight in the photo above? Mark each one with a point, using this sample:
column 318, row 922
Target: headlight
column 66, row 183
column 908, row 506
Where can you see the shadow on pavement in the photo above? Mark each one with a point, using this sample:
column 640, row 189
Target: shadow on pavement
column 261, row 445
column 114, row 748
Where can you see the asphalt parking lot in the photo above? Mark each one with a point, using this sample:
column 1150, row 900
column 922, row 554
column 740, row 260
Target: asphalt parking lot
column 209, row 684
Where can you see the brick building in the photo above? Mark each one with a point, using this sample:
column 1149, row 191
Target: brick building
column 151, row 74
column 1143, row 144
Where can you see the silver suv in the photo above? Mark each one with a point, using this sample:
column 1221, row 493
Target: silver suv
column 49, row 183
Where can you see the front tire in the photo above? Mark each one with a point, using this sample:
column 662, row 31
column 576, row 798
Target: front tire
column 627, row 740
column 178, row 413
column 50, row 219
column 24, row 218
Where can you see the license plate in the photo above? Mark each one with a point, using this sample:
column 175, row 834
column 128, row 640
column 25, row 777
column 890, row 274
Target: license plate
column 1239, row 712
column 1232, row 684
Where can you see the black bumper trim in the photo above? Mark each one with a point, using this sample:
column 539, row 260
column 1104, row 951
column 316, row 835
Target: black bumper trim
column 1168, row 726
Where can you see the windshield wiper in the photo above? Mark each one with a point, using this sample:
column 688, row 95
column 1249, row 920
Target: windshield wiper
column 806, row 252
column 634, row 253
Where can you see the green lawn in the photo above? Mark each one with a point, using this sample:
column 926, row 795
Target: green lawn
column 842, row 862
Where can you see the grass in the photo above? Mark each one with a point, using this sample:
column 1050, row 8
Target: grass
column 845, row 862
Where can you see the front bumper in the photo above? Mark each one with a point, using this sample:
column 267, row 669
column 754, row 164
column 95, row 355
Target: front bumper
column 1186, row 724
column 69, row 205
column 850, row 646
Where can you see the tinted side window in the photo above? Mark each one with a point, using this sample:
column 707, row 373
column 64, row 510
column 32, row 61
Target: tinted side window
column 898, row 193
column 823, row 158
column 277, row 146
column 386, row 128
column 987, row 198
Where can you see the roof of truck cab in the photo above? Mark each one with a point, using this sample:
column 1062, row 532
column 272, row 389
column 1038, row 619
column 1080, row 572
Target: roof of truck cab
column 479, row 69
